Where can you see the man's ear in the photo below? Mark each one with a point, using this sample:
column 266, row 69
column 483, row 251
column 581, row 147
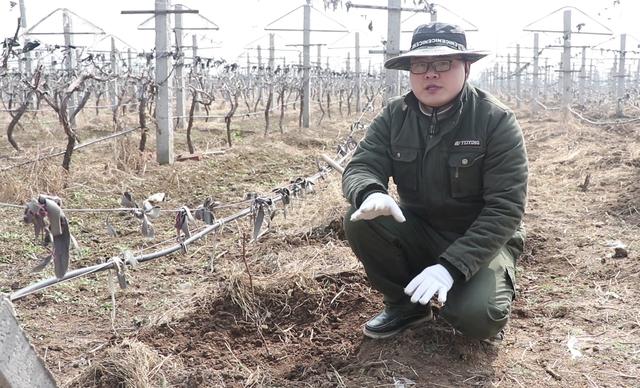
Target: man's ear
column 467, row 69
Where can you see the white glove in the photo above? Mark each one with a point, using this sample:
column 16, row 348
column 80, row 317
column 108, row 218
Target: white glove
column 376, row 205
column 432, row 279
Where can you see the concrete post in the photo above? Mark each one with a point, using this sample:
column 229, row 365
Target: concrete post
column 306, row 85
column 20, row 365
column 393, row 47
column 23, row 25
column 518, row 76
column 164, row 134
column 179, row 68
column 195, row 67
column 358, row 72
column 546, row 79
column 566, row 63
column 272, row 51
column 347, row 63
column 594, row 86
column 509, row 89
column 583, row 76
column 69, row 62
column 621, row 73
column 113, row 85
column 536, row 71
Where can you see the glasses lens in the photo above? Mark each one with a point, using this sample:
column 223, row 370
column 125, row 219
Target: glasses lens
column 419, row 68
column 442, row 65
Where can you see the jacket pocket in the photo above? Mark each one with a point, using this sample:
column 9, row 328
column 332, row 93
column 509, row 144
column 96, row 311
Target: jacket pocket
column 465, row 174
column 405, row 166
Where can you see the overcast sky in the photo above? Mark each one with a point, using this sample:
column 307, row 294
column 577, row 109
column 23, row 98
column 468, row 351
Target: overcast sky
column 242, row 23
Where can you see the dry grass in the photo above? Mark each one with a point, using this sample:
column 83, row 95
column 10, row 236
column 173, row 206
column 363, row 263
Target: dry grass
column 129, row 364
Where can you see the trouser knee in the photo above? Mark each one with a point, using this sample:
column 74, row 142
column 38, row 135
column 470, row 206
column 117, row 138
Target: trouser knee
column 482, row 322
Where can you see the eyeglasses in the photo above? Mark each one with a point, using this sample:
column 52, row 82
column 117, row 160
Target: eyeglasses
column 423, row 67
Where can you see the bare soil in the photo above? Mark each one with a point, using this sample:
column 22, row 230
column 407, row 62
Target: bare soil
column 288, row 311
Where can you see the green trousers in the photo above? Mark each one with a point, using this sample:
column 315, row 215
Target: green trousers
column 393, row 253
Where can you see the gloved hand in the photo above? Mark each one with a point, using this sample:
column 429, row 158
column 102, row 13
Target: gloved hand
column 432, row 279
column 376, row 205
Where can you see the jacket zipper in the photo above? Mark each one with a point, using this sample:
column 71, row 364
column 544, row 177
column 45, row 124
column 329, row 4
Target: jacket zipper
column 432, row 125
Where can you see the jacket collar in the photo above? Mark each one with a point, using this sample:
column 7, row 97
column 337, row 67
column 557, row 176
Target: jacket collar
column 439, row 113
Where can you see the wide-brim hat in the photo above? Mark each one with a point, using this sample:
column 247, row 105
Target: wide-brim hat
column 435, row 40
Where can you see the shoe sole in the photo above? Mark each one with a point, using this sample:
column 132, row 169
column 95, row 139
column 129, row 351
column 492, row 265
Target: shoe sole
column 374, row 335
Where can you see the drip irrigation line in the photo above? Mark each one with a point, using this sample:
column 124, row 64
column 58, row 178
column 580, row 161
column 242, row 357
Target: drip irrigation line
column 11, row 205
column 46, row 283
column 79, row 146
column 544, row 106
column 159, row 243
column 612, row 122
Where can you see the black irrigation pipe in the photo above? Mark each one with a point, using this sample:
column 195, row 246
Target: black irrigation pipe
column 126, row 131
column 46, row 283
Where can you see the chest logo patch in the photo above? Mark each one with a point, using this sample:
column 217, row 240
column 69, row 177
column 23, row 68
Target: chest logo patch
column 459, row 143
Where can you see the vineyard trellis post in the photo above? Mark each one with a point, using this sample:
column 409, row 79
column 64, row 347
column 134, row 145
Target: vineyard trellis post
column 546, row 79
column 69, row 62
column 195, row 64
column 592, row 76
column 509, row 86
column 566, row 63
column 306, row 85
column 613, row 75
column 496, row 77
column 179, row 78
column 583, row 76
column 393, row 47
column 164, row 132
column 638, row 73
column 358, row 72
column 518, row 76
column 23, row 24
column 272, row 51
column 621, row 75
column 536, row 75
column 113, row 83
column 20, row 364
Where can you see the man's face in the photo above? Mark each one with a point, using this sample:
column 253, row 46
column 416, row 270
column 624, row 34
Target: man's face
column 435, row 88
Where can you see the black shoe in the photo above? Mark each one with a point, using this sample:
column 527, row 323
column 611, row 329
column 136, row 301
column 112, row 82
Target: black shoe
column 394, row 319
column 496, row 340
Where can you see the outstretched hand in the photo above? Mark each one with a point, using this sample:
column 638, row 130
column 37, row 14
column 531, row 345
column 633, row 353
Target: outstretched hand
column 376, row 205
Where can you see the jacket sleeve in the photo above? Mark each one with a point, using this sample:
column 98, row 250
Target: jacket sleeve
column 504, row 193
column 370, row 167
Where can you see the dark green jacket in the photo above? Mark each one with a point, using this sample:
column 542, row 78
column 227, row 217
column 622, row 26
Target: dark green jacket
column 464, row 171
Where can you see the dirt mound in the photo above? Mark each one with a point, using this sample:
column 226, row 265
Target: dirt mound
column 267, row 335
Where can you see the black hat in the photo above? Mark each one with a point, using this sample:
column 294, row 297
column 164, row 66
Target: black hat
column 436, row 40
